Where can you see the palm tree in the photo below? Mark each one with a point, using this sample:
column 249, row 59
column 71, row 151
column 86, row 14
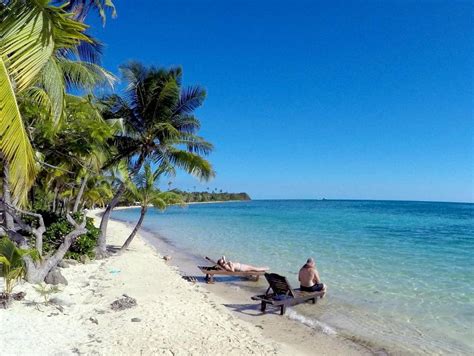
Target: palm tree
column 37, row 42
column 82, row 7
column 85, row 134
column 97, row 192
column 159, row 126
column 147, row 194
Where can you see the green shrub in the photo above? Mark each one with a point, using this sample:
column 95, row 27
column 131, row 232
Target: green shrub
column 12, row 265
column 84, row 245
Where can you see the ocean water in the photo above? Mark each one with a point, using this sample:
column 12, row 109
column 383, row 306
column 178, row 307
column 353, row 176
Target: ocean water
column 400, row 274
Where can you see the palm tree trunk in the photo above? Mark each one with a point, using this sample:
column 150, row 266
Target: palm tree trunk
column 56, row 190
column 79, row 195
column 135, row 230
column 8, row 219
column 101, row 250
column 64, row 206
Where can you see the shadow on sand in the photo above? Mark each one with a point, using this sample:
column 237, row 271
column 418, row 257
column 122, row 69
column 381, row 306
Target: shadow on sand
column 251, row 309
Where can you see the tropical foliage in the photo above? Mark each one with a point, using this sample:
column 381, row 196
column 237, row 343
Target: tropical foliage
column 12, row 264
column 64, row 147
column 37, row 42
column 159, row 126
column 143, row 191
column 83, row 246
column 209, row 196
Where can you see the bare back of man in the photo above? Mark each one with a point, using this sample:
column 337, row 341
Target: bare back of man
column 309, row 277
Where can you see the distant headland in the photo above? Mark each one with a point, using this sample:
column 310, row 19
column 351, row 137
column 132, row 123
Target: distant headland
column 205, row 196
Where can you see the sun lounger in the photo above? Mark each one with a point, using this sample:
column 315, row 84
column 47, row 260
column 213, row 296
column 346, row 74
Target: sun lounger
column 211, row 271
column 283, row 295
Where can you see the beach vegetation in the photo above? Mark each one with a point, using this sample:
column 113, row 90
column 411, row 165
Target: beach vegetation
column 143, row 190
column 43, row 52
column 160, row 126
column 46, row 291
column 65, row 148
column 83, row 245
column 197, row 197
column 12, row 263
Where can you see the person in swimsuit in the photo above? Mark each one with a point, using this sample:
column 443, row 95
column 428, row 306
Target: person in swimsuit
column 309, row 278
column 239, row 267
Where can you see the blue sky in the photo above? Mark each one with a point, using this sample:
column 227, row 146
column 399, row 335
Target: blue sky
column 313, row 99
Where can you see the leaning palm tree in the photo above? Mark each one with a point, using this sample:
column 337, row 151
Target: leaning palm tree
column 143, row 190
column 157, row 114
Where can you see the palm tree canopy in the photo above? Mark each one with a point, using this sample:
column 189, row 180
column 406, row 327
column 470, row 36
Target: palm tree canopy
column 76, row 148
column 159, row 121
column 37, row 40
column 82, row 7
column 143, row 190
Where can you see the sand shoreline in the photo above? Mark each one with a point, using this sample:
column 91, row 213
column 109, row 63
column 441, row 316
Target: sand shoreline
column 172, row 316
column 302, row 335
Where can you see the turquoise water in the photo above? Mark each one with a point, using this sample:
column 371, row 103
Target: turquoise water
column 400, row 274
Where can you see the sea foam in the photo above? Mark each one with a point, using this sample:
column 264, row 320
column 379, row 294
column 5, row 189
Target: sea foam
column 312, row 323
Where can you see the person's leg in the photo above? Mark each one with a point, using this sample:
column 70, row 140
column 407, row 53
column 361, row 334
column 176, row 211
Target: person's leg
column 250, row 268
column 316, row 288
column 319, row 287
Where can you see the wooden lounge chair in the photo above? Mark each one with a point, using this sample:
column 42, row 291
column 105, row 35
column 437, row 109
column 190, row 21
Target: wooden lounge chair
column 283, row 295
column 210, row 271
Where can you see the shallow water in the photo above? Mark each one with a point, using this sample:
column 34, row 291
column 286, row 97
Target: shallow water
column 400, row 274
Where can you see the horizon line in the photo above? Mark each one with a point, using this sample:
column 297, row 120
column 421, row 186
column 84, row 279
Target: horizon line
column 380, row 200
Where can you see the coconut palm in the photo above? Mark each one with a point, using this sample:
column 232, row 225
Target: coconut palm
column 84, row 132
column 37, row 42
column 82, row 7
column 98, row 192
column 143, row 190
column 159, row 126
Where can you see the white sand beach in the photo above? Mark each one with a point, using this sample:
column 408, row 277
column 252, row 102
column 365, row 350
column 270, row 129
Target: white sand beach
column 172, row 316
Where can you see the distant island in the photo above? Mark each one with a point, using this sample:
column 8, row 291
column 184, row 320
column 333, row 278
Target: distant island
column 194, row 197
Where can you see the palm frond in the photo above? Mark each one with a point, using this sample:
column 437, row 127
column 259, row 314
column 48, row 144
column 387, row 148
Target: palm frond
column 191, row 163
column 30, row 33
column 14, row 141
column 52, row 82
column 81, row 8
column 186, row 123
column 39, row 97
column 85, row 75
column 190, row 99
column 196, row 144
column 89, row 51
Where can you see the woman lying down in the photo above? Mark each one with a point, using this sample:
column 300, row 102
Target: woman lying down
column 239, row 267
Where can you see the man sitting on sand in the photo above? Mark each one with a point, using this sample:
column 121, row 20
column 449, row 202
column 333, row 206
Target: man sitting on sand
column 309, row 278
column 239, row 267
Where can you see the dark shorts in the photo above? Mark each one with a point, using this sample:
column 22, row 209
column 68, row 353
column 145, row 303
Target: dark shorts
column 316, row 288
